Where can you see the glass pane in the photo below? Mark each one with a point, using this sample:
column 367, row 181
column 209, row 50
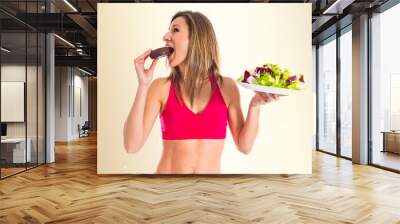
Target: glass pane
column 346, row 94
column 31, row 101
column 31, row 84
column 394, row 101
column 22, row 89
column 386, row 89
column 13, row 86
column 327, row 97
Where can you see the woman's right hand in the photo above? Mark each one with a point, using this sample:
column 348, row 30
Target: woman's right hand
column 144, row 75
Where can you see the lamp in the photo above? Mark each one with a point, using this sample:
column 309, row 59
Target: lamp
column 64, row 40
column 70, row 5
column 5, row 50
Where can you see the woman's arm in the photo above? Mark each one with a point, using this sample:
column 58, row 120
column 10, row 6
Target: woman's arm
column 141, row 118
column 244, row 132
column 145, row 107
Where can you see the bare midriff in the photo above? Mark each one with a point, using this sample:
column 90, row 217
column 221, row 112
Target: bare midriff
column 191, row 156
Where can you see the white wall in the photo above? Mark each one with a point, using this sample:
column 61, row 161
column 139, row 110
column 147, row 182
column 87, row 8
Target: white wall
column 11, row 73
column 71, row 92
column 16, row 73
column 62, row 80
column 80, row 110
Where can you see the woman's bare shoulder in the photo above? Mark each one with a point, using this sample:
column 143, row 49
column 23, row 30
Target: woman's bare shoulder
column 229, row 89
column 160, row 84
column 160, row 81
column 228, row 84
column 159, row 88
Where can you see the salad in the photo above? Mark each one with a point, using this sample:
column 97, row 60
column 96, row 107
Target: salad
column 272, row 76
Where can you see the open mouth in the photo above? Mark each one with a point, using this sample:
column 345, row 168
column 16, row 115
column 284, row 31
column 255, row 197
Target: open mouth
column 172, row 52
column 171, row 55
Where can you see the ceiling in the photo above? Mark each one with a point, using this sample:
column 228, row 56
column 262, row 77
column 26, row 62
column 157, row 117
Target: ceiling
column 76, row 22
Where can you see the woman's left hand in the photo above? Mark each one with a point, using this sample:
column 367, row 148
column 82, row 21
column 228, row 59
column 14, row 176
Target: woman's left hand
column 261, row 98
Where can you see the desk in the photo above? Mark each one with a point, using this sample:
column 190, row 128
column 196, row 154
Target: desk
column 391, row 141
column 17, row 150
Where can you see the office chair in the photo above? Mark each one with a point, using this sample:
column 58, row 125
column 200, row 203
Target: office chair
column 84, row 130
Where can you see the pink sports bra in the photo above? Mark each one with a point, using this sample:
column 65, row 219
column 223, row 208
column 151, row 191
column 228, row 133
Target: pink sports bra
column 178, row 122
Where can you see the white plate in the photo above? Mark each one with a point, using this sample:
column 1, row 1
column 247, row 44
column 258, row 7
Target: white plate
column 266, row 89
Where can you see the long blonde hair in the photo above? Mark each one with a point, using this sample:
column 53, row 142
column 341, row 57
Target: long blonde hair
column 202, row 57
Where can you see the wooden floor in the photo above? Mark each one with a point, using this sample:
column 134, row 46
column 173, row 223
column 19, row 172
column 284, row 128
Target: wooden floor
column 5, row 172
column 70, row 191
column 10, row 171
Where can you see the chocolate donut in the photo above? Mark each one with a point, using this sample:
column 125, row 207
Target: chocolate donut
column 161, row 52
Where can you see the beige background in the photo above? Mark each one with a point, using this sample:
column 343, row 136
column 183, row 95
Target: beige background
column 249, row 35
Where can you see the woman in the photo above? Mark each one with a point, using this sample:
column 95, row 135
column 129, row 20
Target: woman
column 195, row 103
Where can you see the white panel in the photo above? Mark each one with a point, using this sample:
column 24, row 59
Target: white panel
column 12, row 101
column 77, row 112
